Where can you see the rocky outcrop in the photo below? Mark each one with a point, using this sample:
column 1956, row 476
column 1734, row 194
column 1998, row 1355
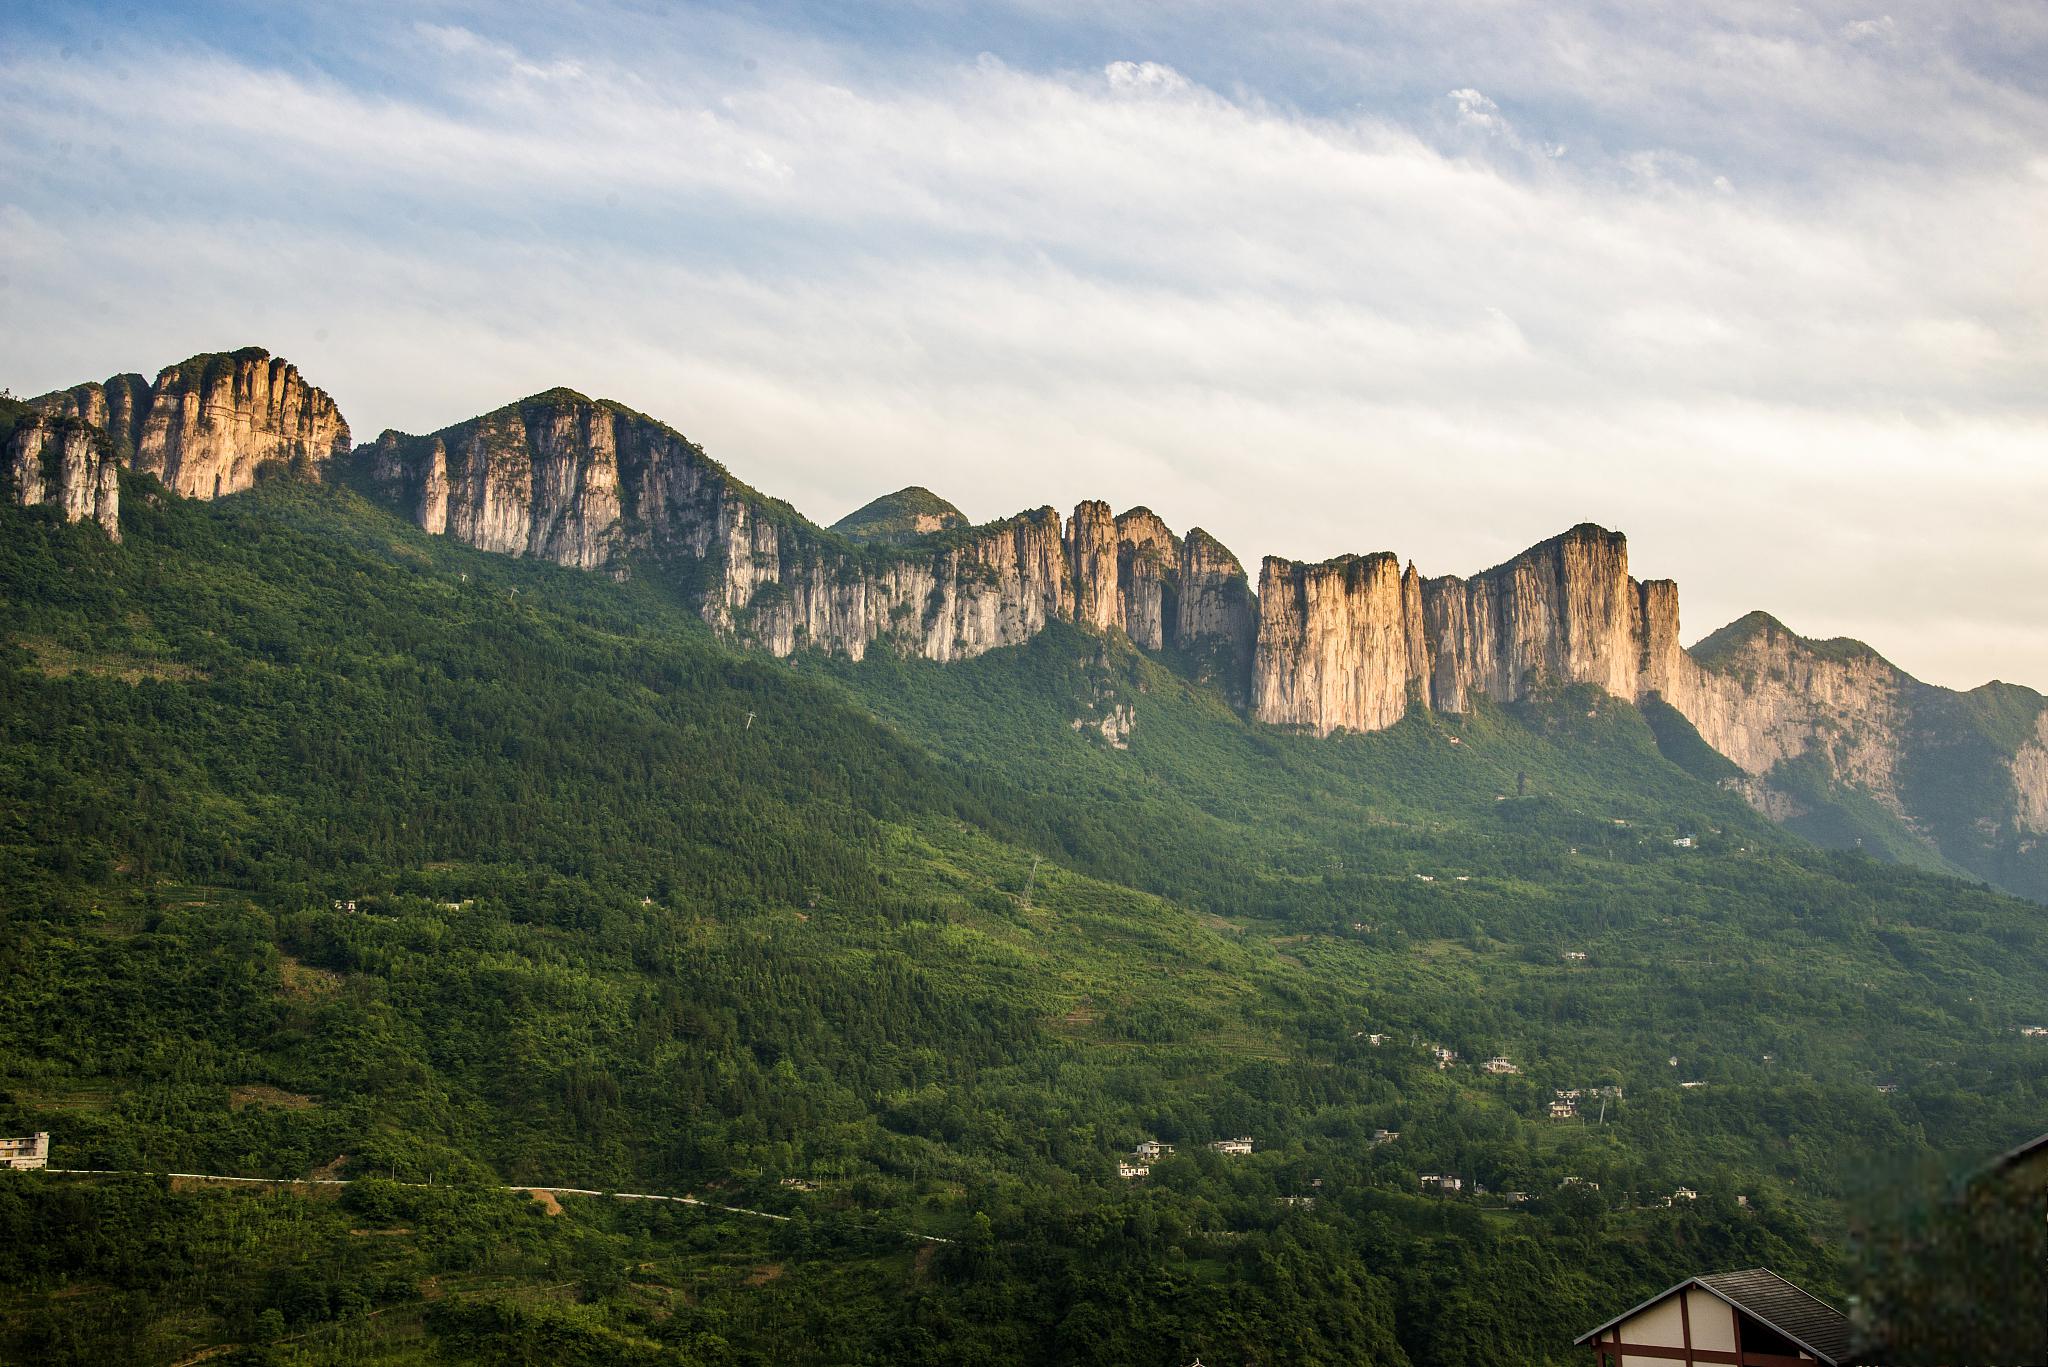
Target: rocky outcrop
column 208, row 424
column 782, row 587
column 117, row 407
column 65, row 463
column 1215, row 616
column 1844, row 746
column 547, row 478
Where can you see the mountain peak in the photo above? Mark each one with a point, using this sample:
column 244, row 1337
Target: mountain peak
column 902, row 516
column 1756, row 626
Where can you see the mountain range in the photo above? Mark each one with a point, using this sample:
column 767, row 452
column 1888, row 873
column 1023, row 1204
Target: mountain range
column 1824, row 736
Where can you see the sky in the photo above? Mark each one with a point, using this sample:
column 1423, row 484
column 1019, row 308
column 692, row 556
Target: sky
column 1763, row 286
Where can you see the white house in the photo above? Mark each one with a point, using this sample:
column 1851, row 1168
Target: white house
column 1443, row 1181
column 32, row 1151
column 1242, row 1144
column 1499, row 1065
column 1129, row 1170
column 1152, row 1148
column 1750, row 1318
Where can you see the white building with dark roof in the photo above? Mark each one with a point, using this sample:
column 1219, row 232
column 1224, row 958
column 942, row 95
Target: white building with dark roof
column 1752, row 1318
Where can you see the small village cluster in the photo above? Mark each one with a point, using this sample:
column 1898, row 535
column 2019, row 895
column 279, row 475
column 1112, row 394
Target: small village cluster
column 1139, row 1163
column 1566, row 1106
column 1450, row 1182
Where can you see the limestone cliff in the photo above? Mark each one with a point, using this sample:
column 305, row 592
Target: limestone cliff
column 1562, row 612
column 1340, row 644
column 1216, row 617
column 1352, row 643
column 2030, row 780
column 590, row 483
column 66, row 463
column 1092, row 548
column 207, row 424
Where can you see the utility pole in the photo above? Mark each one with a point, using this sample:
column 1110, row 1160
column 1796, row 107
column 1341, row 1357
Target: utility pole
column 1030, row 881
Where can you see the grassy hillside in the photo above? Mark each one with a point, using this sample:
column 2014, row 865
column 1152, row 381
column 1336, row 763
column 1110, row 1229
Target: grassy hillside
column 895, row 950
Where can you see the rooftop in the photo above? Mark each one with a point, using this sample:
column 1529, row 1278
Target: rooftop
column 1763, row 1295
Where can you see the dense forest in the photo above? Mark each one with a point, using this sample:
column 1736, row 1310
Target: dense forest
column 331, row 849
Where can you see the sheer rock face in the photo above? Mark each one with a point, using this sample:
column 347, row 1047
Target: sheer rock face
column 66, row 463
column 1562, row 612
column 206, row 424
column 1148, row 575
column 1353, row 642
column 1349, row 644
column 1216, row 619
column 1092, row 546
column 2030, row 780
column 781, row 588
column 1340, row 644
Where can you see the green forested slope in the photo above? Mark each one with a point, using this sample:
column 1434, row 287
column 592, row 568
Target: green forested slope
column 893, row 949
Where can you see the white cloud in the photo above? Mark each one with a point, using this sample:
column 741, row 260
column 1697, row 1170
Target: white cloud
column 1149, row 78
column 1475, row 110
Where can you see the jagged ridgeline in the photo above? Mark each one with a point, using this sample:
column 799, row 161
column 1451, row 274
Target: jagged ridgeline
column 1824, row 736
